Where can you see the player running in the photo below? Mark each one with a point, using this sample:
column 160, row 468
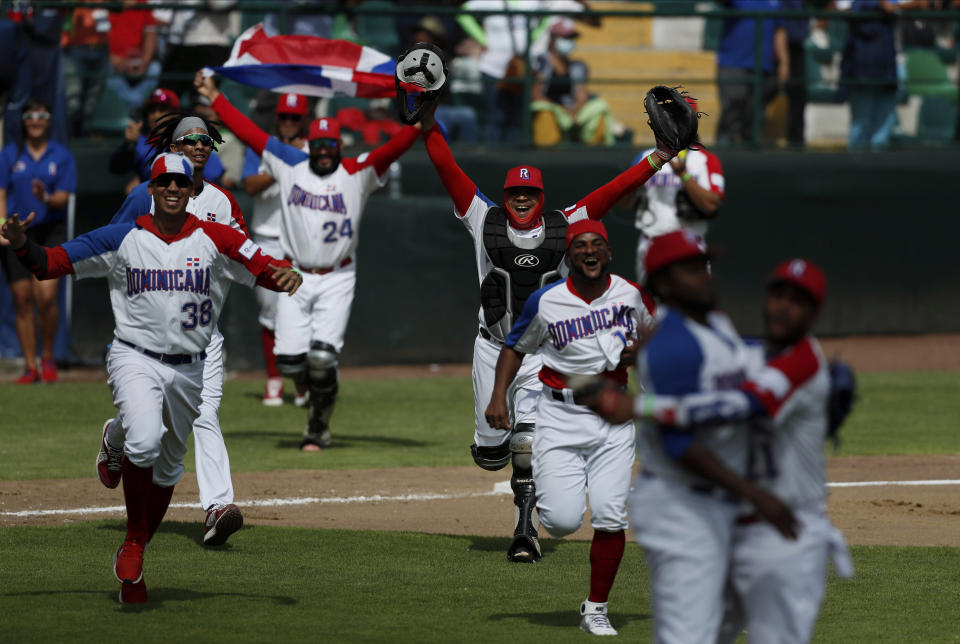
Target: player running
column 687, row 498
column 323, row 197
column 518, row 247
column 196, row 139
column 583, row 325
column 168, row 274
column 778, row 583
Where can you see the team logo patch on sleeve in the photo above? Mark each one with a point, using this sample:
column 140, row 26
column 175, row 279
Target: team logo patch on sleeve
column 249, row 249
column 211, row 217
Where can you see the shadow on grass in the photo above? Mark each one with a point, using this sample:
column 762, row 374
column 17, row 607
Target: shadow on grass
column 157, row 596
column 291, row 438
column 567, row 618
column 501, row 544
column 192, row 531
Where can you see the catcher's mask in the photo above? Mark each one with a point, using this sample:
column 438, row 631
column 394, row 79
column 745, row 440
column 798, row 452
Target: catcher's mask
column 421, row 79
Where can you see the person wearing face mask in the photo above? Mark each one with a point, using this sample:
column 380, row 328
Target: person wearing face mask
column 519, row 248
column 323, row 196
column 562, row 107
column 36, row 175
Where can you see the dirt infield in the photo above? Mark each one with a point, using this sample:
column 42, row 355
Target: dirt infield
column 462, row 500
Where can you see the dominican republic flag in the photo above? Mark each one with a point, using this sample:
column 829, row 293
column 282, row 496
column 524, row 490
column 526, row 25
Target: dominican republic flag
column 193, row 262
column 309, row 65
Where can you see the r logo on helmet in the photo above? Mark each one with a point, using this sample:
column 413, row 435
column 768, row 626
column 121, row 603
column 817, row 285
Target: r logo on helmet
column 524, row 174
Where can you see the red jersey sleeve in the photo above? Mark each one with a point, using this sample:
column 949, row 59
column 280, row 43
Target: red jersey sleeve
column 244, row 250
column 381, row 157
column 715, row 174
column 245, row 129
column 783, row 375
column 459, row 186
column 601, row 200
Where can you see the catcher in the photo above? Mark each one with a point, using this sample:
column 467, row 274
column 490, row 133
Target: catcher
column 519, row 247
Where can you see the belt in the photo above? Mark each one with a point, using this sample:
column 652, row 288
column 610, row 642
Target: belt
column 703, row 489
column 322, row 270
column 167, row 358
column 486, row 335
column 567, row 395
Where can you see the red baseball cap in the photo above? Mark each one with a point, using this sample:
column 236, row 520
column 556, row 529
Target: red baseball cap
column 325, row 128
column 577, row 228
column 803, row 274
column 292, row 104
column 171, row 163
column 524, row 175
column 673, row 247
column 163, row 96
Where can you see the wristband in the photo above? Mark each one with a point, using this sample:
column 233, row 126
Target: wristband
column 653, row 164
column 686, row 175
column 296, row 270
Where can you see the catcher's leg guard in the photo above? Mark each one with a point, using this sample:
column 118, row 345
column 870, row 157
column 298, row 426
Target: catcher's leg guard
column 491, row 458
column 525, row 547
column 322, row 379
column 293, row 367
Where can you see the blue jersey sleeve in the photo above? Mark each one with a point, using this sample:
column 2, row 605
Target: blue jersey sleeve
column 142, row 156
column 137, row 203
column 97, row 242
column 251, row 164
column 285, row 153
column 487, row 201
column 214, row 169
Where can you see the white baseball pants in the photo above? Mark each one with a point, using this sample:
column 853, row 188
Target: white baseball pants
column 267, row 299
column 318, row 311
column 522, row 395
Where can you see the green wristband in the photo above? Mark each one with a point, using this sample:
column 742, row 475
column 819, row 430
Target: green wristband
column 653, row 164
column 686, row 175
column 297, row 271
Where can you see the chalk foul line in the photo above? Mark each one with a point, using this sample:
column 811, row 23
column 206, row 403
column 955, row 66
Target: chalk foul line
column 500, row 488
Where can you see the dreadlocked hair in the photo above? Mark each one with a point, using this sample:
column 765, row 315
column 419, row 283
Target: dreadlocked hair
column 161, row 136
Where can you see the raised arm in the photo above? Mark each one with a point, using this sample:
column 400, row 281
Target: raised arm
column 245, row 129
column 380, row 158
column 459, row 186
column 601, row 200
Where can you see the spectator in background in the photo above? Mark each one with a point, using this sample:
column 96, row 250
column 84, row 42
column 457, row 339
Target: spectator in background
column 14, row 73
column 133, row 49
column 563, row 107
column 195, row 39
column 36, row 175
column 868, row 72
column 504, row 42
column 87, row 54
column 136, row 155
column 40, row 32
column 290, row 127
column 736, row 67
column 459, row 118
column 306, row 24
column 798, row 29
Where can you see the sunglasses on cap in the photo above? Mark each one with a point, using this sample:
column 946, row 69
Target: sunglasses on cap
column 164, row 180
column 194, row 139
column 321, row 144
column 36, row 116
column 289, row 117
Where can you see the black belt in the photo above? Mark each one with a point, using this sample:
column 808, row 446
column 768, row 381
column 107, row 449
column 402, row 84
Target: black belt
column 703, row 489
column 321, row 270
column 167, row 358
column 557, row 395
column 487, row 336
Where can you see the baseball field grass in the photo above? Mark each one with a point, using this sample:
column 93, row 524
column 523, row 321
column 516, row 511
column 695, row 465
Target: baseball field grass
column 296, row 584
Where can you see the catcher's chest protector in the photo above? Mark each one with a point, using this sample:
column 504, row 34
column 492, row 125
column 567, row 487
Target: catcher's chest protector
column 517, row 272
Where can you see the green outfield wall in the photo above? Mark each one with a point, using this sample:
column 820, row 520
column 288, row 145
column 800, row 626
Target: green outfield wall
column 883, row 226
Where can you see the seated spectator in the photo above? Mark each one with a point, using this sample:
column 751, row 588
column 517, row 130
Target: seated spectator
column 37, row 175
column 135, row 153
column 87, row 55
column 562, row 107
column 195, row 39
column 133, row 49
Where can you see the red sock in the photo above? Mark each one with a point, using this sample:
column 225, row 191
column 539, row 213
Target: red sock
column 266, row 338
column 605, row 555
column 159, row 501
column 137, row 482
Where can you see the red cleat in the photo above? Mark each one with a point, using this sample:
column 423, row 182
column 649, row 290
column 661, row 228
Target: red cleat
column 48, row 370
column 273, row 393
column 29, row 377
column 109, row 461
column 133, row 593
column 128, row 562
column 222, row 521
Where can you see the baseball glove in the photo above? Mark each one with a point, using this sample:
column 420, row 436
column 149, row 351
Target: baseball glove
column 843, row 393
column 672, row 118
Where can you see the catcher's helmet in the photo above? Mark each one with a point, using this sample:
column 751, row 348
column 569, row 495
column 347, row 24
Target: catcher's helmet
column 424, row 67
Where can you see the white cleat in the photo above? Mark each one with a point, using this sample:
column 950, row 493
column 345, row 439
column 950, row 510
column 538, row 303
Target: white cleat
column 273, row 392
column 594, row 618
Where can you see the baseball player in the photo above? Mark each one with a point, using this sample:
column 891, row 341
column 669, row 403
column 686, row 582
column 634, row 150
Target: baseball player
column 686, row 194
column 195, row 138
column 583, row 325
column 322, row 199
column 686, row 499
column 291, row 116
column 168, row 274
column 778, row 583
column 519, row 248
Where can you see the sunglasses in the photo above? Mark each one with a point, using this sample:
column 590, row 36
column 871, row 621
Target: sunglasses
column 289, row 117
column 194, row 139
column 164, row 180
column 321, row 144
column 36, row 116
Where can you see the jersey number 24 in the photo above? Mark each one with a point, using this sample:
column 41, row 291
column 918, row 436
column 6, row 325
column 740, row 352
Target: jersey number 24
column 332, row 235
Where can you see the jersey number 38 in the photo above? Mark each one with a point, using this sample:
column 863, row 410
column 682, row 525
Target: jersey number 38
column 197, row 314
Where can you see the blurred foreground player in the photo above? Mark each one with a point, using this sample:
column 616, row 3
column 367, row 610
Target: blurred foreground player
column 169, row 261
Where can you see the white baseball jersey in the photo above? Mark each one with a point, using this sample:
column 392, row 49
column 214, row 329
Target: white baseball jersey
column 578, row 336
column 267, row 208
column 213, row 204
column 167, row 292
column 660, row 215
column 686, row 357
